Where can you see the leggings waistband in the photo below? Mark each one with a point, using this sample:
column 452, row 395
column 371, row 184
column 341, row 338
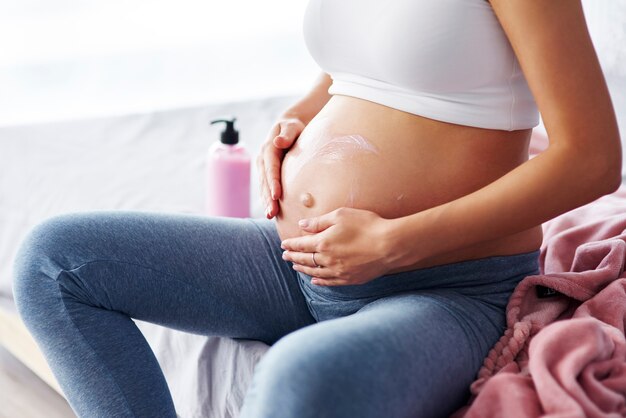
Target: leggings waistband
column 483, row 275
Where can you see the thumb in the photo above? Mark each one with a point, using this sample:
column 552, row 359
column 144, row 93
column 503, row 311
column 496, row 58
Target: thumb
column 283, row 141
column 288, row 132
column 316, row 224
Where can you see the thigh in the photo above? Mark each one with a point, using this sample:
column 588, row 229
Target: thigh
column 406, row 355
column 207, row 275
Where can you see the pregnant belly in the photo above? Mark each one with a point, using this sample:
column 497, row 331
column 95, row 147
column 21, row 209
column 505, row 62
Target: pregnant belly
column 359, row 154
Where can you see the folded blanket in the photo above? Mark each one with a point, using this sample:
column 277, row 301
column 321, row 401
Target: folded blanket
column 563, row 353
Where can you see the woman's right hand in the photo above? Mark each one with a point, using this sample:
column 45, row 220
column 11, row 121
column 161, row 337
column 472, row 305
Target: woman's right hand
column 281, row 137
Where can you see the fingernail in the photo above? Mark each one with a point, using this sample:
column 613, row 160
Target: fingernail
column 273, row 191
column 285, row 255
column 282, row 245
column 303, row 223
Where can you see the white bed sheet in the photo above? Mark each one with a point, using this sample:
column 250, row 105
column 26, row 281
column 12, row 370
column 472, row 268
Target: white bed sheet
column 207, row 376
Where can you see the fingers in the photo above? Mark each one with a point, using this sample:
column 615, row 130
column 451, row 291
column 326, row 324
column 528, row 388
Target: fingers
column 289, row 130
column 316, row 280
column 303, row 244
column 321, row 274
column 268, row 154
column 272, row 162
column 314, row 271
column 304, row 259
column 319, row 223
column 281, row 137
column 274, row 208
column 271, row 206
column 269, row 191
column 284, row 135
column 263, row 187
column 282, row 141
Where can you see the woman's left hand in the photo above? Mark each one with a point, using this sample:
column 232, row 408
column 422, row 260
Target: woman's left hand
column 349, row 245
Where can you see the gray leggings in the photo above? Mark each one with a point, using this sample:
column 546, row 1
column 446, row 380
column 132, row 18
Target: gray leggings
column 402, row 345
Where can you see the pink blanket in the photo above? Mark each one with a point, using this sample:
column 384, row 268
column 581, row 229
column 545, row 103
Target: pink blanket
column 564, row 353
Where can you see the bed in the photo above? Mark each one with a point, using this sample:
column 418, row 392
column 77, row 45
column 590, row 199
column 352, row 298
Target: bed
column 155, row 162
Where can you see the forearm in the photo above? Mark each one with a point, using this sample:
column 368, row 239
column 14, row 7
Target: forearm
column 554, row 182
column 308, row 106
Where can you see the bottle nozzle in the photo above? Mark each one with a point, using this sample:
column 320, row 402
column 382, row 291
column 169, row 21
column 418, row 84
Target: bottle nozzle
column 229, row 135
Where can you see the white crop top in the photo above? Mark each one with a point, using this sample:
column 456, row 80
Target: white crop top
column 448, row 60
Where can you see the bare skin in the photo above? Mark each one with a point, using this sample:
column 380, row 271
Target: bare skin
column 413, row 163
column 466, row 192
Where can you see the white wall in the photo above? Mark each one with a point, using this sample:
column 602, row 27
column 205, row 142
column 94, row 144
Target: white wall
column 63, row 59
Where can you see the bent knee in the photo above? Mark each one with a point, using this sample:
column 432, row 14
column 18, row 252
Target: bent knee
column 47, row 249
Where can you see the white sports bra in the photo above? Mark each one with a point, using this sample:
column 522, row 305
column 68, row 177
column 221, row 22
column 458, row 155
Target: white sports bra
column 448, row 60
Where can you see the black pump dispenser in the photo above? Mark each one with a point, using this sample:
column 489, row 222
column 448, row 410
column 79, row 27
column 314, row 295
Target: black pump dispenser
column 230, row 135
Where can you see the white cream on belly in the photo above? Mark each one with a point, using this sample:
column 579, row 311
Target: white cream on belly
column 344, row 147
column 337, row 149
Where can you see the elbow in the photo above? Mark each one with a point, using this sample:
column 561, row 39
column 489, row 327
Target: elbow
column 594, row 173
column 602, row 163
column 614, row 179
column 615, row 166
column 609, row 170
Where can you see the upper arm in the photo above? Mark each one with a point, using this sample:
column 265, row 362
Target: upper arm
column 555, row 52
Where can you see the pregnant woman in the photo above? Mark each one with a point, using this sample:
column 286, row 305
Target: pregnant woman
column 402, row 211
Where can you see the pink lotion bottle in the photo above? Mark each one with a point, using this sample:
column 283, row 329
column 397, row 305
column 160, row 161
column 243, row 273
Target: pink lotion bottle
column 228, row 175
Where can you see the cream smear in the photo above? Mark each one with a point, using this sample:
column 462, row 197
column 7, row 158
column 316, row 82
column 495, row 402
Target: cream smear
column 344, row 147
column 336, row 149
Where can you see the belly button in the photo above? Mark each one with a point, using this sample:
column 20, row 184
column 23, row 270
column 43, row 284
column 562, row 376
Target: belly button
column 306, row 199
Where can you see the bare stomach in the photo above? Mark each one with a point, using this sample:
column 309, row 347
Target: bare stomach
column 359, row 154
